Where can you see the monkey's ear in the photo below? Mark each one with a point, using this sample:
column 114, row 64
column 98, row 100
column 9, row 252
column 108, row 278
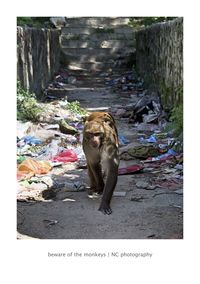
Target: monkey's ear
column 108, row 117
column 111, row 117
column 85, row 118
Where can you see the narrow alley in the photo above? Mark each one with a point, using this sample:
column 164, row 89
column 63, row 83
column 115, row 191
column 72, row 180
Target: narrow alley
column 52, row 200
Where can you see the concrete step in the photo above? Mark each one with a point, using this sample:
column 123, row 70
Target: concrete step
column 99, row 36
column 66, row 43
column 90, row 30
column 95, row 66
column 97, row 43
column 97, row 51
column 96, row 21
column 98, row 57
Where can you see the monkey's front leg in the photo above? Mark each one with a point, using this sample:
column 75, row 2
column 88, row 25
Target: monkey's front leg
column 111, row 181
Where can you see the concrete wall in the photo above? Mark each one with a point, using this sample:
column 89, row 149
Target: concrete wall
column 38, row 55
column 159, row 59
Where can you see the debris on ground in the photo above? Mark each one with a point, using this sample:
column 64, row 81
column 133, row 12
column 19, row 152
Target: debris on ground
column 130, row 169
column 50, row 158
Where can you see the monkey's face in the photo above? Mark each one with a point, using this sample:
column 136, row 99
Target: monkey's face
column 94, row 133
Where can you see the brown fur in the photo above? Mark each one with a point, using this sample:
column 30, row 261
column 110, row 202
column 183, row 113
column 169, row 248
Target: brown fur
column 100, row 144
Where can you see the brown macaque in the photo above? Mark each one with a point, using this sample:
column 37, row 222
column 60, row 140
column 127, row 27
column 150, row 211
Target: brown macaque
column 100, row 145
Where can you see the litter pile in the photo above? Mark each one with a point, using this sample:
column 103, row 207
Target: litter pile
column 50, row 155
column 159, row 159
column 43, row 149
column 129, row 81
column 156, row 152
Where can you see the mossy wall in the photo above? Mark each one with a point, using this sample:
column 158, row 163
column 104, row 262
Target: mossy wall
column 159, row 60
column 38, row 55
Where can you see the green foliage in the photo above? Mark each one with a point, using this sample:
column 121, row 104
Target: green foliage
column 27, row 106
column 23, row 21
column 176, row 121
column 141, row 22
column 176, row 117
column 36, row 22
column 76, row 108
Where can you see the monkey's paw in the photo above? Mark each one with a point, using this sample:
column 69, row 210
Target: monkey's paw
column 94, row 195
column 105, row 209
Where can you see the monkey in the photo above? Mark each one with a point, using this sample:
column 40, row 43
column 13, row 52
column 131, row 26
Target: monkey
column 100, row 145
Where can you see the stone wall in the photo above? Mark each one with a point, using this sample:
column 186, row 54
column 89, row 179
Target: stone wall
column 38, row 55
column 159, row 59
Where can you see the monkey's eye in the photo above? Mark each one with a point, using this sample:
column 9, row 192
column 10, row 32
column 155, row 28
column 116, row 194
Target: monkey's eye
column 97, row 134
column 91, row 134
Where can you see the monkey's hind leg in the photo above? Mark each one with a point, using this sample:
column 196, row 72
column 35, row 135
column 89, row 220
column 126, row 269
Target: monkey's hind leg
column 96, row 179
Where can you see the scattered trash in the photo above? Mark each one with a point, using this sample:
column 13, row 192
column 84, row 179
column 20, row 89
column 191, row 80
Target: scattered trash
column 170, row 153
column 30, row 166
column 127, row 82
column 52, row 126
column 179, row 167
column 54, row 143
column 80, row 154
column 123, row 140
column 56, row 164
column 51, row 150
column 20, row 159
column 66, row 128
column 22, row 175
column 130, row 169
column 143, row 151
column 73, row 186
column 147, row 109
column 151, row 139
column 65, row 157
column 77, row 125
column 143, row 126
column 160, row 135
column 63, row 103
column 31, row 140
column 145, row 185
column 163, row 146
column 150, row 118
column 23, row 128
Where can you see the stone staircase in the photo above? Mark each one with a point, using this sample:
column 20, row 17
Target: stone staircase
column 97, row 43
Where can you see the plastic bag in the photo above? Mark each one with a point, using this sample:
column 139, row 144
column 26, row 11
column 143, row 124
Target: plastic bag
column 35, row 167
column 66, row 157
column 22, row 175
column 151, row 139
column 31, row 140
column 123, row 140
column 130, row 169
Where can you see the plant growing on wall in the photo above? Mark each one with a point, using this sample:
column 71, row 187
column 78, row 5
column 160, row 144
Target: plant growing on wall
column 27, row 106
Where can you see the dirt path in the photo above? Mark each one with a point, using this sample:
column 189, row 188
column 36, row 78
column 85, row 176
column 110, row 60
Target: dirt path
column 138, row 213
